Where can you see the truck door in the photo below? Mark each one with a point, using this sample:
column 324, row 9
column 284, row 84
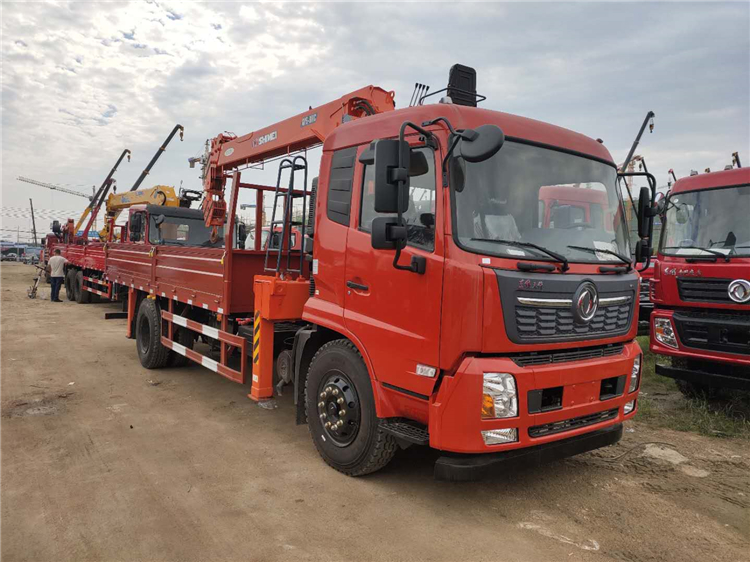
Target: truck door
column 396, row 314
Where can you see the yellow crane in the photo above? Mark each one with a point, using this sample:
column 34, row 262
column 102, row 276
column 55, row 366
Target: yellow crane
column 158, row 195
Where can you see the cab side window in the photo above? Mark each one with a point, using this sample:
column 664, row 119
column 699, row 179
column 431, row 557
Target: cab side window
column 420, row 217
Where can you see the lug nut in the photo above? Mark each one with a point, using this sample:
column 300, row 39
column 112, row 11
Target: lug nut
column 322, row 417
column 341, row 423
column 335, row 392
column 321, row 404
column 323, row 394
column 327, row 425
column 342, row 413
column 340, row 401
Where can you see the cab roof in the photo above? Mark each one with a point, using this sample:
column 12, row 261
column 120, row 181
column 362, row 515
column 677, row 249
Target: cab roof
column 710, row 180
column 386, row 125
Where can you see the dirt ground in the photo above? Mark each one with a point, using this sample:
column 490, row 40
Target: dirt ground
column 104, row 460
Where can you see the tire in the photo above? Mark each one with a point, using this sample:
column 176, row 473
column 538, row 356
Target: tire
column 184, row 337
column 70, row 281
column 82, row 295
column 151, row 352
column 359, row 446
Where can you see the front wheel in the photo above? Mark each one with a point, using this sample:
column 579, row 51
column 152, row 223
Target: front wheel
column 341, row 411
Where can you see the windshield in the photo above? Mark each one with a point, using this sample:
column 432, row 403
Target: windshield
column 526, row 194
column 714, row 219
column 182, row 231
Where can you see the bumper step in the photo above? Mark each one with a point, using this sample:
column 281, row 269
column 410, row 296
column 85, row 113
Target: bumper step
column 406, row 430
column 465, row 468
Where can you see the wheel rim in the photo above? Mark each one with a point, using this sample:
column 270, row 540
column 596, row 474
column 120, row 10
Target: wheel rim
column 339, row 408
column 144, row 335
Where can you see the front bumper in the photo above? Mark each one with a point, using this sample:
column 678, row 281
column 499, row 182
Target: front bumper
column 687, row 352
column 708, row 374
column 456, row 425
column 465, row 468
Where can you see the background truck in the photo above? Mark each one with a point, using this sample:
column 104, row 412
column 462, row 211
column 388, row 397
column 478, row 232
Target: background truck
column 85, row 272
column 427, row 304
column 701, row 287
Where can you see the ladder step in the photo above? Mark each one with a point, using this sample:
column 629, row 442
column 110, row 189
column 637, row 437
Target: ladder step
column 407, row 430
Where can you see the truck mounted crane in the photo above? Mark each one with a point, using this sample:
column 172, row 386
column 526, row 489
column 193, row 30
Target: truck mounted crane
column 430, row 303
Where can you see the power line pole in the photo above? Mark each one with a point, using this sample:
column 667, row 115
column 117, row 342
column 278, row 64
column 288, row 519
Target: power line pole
column 33, row 222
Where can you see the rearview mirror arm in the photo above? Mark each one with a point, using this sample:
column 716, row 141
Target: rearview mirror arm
column 417, row 264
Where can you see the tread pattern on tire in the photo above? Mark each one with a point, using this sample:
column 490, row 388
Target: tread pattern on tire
column 384, row 445
column 82, row 295
column 159, row 354
column 70, row 279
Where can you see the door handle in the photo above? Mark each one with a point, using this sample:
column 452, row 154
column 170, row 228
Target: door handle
column 357, row 286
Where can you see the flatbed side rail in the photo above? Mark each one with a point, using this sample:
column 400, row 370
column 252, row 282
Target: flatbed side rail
column 219, row 367
column 106, row 294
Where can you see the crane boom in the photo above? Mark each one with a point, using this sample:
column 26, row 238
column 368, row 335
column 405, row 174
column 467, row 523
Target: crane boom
column 305, row 130
column 54, row 186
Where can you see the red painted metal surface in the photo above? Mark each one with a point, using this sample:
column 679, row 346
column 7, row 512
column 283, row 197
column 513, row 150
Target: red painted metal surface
column 723, row 178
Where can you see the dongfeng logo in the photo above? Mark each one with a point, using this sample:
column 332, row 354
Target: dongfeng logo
column 585, row 303
column 739, row 290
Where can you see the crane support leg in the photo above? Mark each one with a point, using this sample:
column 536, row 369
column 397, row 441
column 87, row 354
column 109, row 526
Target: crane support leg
column 275, row 300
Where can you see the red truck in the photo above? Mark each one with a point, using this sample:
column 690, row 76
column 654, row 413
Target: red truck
column 428, row 303
column 85, row 273
column 700, row 326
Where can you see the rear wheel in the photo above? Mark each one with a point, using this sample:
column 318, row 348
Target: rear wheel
column 151, row 352
column 341, row 411
column 82, row 295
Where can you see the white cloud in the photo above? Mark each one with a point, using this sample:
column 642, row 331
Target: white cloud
column 82, row 81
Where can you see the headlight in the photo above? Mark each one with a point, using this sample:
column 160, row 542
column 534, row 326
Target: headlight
column 664, row 332
column 499, row 398
column 629, row 407
column 635, row 373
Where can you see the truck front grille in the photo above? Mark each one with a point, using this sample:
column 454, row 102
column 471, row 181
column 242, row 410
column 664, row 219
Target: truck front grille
column 571, row 424
column 549, row 357
column 700, row 289
column 533, row 322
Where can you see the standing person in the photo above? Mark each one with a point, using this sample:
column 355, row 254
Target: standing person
column 56, row 269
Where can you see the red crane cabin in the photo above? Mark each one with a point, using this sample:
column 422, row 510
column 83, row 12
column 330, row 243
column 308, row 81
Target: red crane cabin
column 701, row 289
column 498, row 339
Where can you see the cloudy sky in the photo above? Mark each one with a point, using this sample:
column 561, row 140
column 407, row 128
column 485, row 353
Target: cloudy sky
column 82, row 81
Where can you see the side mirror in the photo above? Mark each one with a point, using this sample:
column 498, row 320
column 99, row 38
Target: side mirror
column 480, row 144
column 644, row 213
column 386, row 233
column 391, row 159
column 642, row 251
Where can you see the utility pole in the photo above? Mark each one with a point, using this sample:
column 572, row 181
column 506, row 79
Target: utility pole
column 33, row 222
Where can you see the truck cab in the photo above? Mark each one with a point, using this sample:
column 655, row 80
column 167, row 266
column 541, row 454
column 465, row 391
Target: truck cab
column 701, row 288
column 506, row 321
